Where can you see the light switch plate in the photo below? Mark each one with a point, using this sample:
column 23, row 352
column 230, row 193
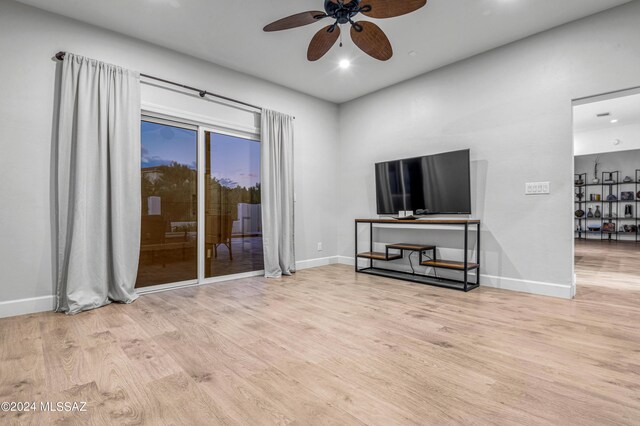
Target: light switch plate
column 536, row 188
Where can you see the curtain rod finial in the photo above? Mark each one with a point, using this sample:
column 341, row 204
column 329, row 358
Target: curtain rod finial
column 60, row 56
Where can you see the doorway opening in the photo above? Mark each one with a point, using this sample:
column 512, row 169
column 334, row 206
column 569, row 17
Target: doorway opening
column 606, row 137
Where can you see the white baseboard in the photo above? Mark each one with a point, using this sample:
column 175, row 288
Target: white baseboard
column 32, row 305
column 528, row 286
column 345, row 260
column 47, row 303
column 314, row 263
column 513, row 284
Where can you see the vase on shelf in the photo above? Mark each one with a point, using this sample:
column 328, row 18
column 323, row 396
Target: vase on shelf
column 595, row 180
column 597, row 214
column 628, row 211
column 589, row 213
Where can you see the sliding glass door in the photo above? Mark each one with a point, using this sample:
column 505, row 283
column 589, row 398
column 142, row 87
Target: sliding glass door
column 201, row 212
column 169, row 227
column 232, row 210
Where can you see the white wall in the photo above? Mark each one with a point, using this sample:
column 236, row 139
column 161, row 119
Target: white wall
column 513, row 108
column 601, row 140
column 28, row 40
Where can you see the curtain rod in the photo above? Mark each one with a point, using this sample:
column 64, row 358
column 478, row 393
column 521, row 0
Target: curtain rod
column 202, row 93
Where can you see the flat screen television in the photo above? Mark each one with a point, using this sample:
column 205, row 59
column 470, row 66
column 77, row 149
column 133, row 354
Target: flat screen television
column 433, row 184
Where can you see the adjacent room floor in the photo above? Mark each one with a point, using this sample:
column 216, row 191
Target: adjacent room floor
column 328, row 346
column 615, row 265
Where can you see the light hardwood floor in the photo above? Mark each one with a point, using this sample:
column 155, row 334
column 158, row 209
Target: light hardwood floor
column 330, row 347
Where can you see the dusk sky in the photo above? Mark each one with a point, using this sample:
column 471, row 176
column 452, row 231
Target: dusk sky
column 235, row 161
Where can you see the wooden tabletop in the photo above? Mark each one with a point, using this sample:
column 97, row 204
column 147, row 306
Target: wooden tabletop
column 421, row 221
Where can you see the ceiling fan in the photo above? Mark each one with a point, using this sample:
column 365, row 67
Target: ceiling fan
column 366, row 35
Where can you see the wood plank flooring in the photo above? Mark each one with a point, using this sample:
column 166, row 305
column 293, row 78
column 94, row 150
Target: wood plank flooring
column 328, row 346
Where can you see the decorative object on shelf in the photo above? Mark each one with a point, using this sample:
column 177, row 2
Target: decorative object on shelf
column 593, row 228
column 610, row 216
column 626, row 196
column 628, row 211
column 579, row 182
column 627, row 179
column 609, row 227
column 598, row 213
column 597, row 197
column 612, row 197
column 638, row 195
column 579, row 228
column 595, row 170
column 579, row 213
column 580, row 195
column 628, row 228
column 589, row 213
column 609, row 180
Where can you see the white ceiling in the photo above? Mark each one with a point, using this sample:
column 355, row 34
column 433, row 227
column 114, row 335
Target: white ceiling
column 596, row 135
column 625, row 109
column 229, row 33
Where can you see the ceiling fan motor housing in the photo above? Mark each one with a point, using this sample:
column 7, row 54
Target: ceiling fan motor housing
column 342, row 12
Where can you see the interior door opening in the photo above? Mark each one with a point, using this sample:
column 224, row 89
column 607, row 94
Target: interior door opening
column 607, row 190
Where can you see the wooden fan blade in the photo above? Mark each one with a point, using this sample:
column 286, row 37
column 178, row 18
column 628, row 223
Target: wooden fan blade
column 294, row 21
column 344, row 2
column 391, row 8
column 322, row 42
column 372, row 40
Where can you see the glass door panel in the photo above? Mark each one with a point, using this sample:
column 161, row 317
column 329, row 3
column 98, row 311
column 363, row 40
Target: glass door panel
column 169, row 228
column 232, row 218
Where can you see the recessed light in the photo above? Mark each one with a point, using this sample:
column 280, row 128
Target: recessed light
column 614, row 121
column 344, row 64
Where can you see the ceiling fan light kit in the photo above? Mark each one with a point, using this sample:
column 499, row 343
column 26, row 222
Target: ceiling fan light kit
column 366, row 35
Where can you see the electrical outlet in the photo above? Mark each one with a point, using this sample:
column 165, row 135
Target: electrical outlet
column 320, row 247
column 537, row 188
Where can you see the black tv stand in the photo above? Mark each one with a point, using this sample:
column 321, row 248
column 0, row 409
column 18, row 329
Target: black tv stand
column 464, row 266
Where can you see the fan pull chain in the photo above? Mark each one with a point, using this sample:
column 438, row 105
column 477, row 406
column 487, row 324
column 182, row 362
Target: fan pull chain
column 340, row 38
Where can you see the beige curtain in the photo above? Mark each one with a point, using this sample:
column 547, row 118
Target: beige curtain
column 98, row 186
column 277, row 194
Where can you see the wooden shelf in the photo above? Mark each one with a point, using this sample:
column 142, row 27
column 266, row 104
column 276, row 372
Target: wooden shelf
column 379, row 256
column 411, row 247
column 449, row 264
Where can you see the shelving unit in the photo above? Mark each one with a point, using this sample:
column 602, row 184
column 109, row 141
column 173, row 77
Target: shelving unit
column 610, row 185
column 464, row 266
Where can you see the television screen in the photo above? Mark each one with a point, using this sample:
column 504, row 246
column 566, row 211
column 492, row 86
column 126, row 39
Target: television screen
column 434, row 184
